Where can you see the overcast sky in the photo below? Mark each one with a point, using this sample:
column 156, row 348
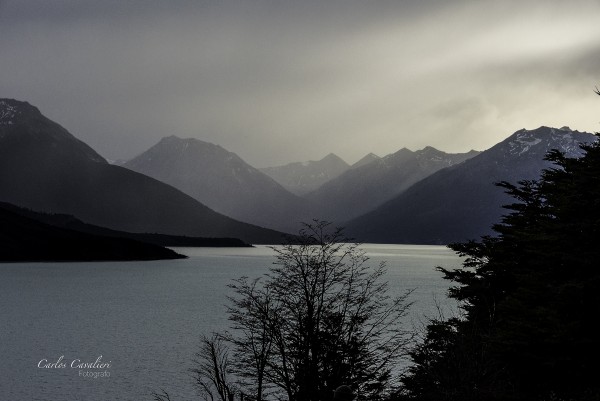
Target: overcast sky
column 281, row 81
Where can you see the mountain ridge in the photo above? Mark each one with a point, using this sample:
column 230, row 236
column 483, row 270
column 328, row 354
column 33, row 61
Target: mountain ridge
column 303, row 177
column 44, row 167
column 460, row 202
column 368, row 158
column 361, row 189
column 221, row 180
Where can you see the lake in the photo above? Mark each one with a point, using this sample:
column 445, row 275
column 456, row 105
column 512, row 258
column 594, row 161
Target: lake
column 144, row 319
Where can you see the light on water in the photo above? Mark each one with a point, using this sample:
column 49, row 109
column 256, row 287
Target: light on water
column 145, row 318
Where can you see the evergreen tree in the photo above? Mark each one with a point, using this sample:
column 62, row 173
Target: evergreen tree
column 530, row 297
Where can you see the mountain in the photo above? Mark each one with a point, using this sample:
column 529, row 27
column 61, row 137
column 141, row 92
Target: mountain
column 221, row 180
column 461, row 202
column 371, row 157
column 302, row 177
column 26, row 239
column 43, row 167
column 363, row 188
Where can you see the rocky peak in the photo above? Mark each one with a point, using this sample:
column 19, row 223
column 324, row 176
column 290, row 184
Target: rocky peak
column 543, row 139
column 12, row 111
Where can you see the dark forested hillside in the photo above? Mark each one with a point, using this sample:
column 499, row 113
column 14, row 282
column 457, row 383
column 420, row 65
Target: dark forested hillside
column 26, row 239
column 69, row 222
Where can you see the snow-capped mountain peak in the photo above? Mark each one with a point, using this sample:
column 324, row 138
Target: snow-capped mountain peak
column 543, row 139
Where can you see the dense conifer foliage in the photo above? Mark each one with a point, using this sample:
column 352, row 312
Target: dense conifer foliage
column 530, row 297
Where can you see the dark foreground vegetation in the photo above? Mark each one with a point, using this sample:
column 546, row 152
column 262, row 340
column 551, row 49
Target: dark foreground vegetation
column 530, row 296
column 26, row 239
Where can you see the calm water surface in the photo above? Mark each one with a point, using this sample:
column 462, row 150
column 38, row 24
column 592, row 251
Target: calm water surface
column 145, row 318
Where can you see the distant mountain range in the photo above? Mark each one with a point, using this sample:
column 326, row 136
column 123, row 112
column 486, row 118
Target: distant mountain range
column 461, row 202
column 302, row 177
column 223, row 181
column 43, row 167
column 369, row 158
column 376, row 180
column 187, row 187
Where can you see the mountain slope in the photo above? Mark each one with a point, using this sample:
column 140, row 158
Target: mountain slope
column 367, row 159
column 461, row 202
column 70, row 222
column 362, row 189
column 43, row 167
column 25, row 239
column 302, row 177
column 222, row 181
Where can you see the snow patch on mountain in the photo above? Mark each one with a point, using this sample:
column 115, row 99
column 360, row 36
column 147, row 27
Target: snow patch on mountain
column 7, row 113
column 522, row 143
column 543, row 139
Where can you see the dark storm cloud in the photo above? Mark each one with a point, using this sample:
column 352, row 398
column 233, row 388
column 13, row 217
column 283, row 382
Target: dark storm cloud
column 277, row 81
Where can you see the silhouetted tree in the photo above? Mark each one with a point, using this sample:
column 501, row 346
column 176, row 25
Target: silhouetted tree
column 530, row 298
column 322, row 317
column 253, row 314
column 214, row 369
